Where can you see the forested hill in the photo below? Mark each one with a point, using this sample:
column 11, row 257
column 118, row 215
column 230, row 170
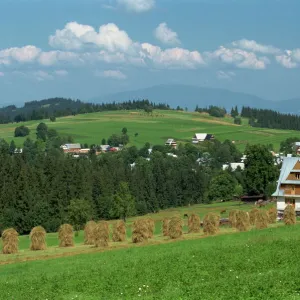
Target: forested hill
column 59, row 107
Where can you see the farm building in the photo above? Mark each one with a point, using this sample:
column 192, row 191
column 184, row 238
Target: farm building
column 71, row 148
column 288, row 186
column 172, row 143
column 234, row 166
column 201, row 137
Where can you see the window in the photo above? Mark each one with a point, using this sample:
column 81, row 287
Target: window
column 290, row 201
column 298, row 175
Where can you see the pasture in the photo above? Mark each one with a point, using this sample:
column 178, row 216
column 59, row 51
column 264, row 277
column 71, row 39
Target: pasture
column 258, row 264
column 92, row 128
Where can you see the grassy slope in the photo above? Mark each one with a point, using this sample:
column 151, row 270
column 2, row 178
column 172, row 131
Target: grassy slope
column 252, row 265
column 91, row 128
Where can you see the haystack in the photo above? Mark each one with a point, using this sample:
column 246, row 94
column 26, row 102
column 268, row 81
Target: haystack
column 211, row 224
column 261, row 220
column 119, row 231
column 175, row 228
column 242, row 221
column 194, row 223
column 151, row 227
column 10, row 241
column 272, row 214
column 253, row 213
column 165, row 226
column 232, row 218
column 38, row 238
column 289, row 215
column 101, row 234
column 66, row 235
column 89, row 233
column 140, row 231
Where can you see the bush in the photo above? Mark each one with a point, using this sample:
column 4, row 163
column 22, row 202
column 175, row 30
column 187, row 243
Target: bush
column 237, row 121
column 22, row 131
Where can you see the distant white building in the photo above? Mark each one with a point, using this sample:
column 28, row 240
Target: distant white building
column 234, row 166
column 172, row 143
column 71, row 148
column 201, row 137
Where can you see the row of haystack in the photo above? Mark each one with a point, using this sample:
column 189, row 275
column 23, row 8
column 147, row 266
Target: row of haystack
column 174, row 227
column 94, row 234
column 242, row 220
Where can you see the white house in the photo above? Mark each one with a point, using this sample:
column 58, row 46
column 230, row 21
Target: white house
column 172, row 143
column 288, row 186
column 234, row 166
column 201, row 137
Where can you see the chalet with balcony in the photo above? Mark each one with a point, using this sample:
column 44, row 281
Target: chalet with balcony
column 288, row 186
column 71, row 148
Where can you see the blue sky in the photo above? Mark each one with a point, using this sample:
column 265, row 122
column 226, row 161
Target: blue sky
column 88, row 48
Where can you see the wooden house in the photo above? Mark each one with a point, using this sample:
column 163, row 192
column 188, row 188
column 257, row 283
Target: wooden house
column 288, row 186
column 71, row 148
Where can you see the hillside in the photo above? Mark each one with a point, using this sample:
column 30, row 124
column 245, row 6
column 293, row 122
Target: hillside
column 190, row 96
column 92, row 128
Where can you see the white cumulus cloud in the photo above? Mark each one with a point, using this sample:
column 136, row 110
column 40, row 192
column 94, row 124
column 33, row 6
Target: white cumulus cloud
column 114, row 74
column 290, row 59
column 238, row 57
column 252, row 45
column 25, row 54
column 137, row 6
column 166, row 35
column 75, row 36
column 172, row 58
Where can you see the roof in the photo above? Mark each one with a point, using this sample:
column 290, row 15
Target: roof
column 170, row 141
column 73, row 146
column 200, row 136
column 287, row 166
column 297, row 144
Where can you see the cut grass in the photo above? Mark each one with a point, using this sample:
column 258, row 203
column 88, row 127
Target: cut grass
column 250, row 265
column 91, row 128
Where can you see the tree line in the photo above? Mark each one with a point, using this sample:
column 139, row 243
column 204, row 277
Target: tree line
column 60, row 107
column 38, row 185
column 267, row 118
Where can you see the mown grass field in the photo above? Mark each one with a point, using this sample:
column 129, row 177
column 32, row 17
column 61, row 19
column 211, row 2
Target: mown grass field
column 251, row 265
column 92, row 128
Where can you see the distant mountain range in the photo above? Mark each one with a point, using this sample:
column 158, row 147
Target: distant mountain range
column 190, row 96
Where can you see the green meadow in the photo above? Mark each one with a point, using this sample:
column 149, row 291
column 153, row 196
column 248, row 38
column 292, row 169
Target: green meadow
column 92, row 128
column 250, row 265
